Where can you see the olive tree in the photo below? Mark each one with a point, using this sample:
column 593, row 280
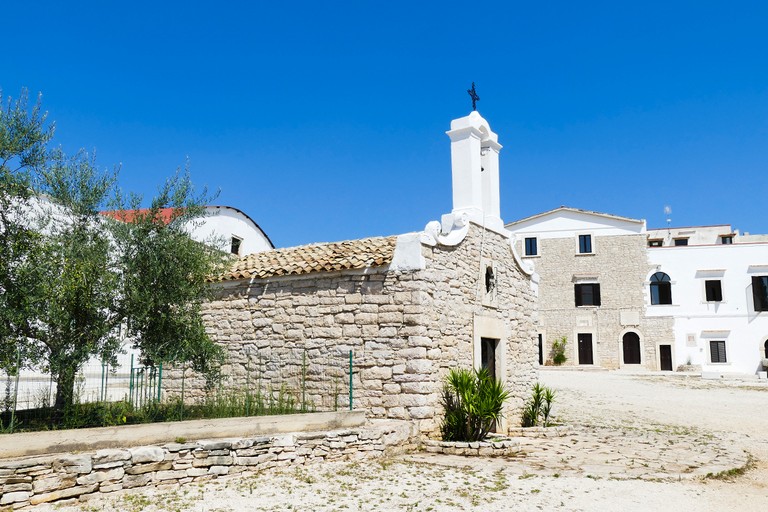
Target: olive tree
column 24, row 135
column 71, row 278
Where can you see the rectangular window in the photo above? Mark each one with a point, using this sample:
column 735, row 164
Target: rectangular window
column 726, row 240
column 681, row 241
column 234, row 246
column 587, row 294
column 760, row 292
column 713, row 290
column 655, row 243
column 717, row 351
column 531, row 247
column 585, row 244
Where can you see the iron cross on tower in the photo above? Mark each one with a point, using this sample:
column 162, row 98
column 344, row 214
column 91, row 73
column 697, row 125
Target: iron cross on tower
column 473, row 94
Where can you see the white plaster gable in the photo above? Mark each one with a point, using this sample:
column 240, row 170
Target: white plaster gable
column 222, row 223
column 565, row 222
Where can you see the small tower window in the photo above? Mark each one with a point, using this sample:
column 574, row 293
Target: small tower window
column 490, row 279
column 234, row 247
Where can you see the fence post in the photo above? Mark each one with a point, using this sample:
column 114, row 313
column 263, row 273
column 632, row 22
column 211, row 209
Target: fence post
column 102, row 394
column 183, row 374
column 304, row 382
column 130, row 384
column 106, row 382
column 247, row 381
column 350, row 379
column 159, row 381
column 16, row 390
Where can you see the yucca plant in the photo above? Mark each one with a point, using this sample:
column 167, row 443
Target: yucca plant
column 538, row 407
column 473, row 403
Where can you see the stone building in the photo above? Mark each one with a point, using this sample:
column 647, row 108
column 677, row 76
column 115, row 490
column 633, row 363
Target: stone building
column 594, row 273
column 409, row 307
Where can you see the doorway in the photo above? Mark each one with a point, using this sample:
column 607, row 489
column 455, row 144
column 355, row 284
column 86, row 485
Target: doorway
column 665, row 357
column 541, row 350
column 585, row 348
column 488, row 355
column 631, row 348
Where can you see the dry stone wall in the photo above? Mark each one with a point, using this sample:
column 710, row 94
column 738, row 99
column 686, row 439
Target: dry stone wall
column 405, row 330
column 43, row 479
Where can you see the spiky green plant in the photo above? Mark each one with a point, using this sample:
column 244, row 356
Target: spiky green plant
column 473, row 403
column 538, row 407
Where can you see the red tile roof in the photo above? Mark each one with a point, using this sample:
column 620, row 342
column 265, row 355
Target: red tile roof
column 166, row 215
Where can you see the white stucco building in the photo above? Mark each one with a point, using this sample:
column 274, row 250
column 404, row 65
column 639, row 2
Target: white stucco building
column 225, row 227
column 716, row 292
column 661, row 299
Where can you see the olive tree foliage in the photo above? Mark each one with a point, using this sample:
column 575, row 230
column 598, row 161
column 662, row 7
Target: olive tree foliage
column 77, row 272
column 165, row 274
column 24, row 135
column 72, row 281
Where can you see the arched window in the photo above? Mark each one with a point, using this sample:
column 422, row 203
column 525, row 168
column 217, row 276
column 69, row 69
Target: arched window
column 631, row 348
column 661, row 289
column 766, row 349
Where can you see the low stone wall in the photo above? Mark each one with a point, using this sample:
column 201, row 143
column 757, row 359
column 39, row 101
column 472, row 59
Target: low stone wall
column 23, row 444
column 33, row 480
column 541, row 432
column 498, row 448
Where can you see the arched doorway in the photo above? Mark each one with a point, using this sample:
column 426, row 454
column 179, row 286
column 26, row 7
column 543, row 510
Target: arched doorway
column 631, row 348
column 766, row 349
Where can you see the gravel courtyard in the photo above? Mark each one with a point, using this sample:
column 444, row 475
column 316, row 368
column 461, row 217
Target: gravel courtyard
column 637, row 442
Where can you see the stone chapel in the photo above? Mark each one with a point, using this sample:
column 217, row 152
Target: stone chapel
column 409, row 307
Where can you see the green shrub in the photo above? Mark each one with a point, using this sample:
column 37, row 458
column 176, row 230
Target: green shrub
column 473, row 403
column 538, row 408
column 558, row 351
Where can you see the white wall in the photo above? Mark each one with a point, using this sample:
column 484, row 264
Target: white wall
column 733, row 320
column 696, row 235
column 565, row 222
column 224, row 222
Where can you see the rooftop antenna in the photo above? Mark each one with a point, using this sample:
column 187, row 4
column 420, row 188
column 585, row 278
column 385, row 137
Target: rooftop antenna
column 668, row 213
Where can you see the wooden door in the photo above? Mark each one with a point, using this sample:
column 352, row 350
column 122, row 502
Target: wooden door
column 541, row 350
column 665, row 357
column 631, row 348
column 488, row 355
column 585, row 348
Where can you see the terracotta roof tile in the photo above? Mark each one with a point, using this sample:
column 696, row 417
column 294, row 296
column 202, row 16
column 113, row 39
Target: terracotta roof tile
column 329, row 257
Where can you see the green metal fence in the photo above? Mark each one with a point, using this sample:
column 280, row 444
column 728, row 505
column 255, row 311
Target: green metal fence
column 267, row 383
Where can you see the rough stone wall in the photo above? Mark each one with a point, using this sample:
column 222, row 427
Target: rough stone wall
column 405, row 330
column 621, row 266
column 457, row 292
column 50, row 478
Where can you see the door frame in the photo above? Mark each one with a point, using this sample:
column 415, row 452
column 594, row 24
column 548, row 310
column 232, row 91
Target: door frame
column 643, row 356
column 494, row 328
column 576, row 347
column 671, row 356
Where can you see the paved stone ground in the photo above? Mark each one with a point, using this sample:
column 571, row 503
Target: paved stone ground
column 638, row 442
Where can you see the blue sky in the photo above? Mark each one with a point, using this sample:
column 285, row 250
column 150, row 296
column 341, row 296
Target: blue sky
column 326, row 120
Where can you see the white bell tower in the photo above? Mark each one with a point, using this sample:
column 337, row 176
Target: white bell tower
column 475, row 167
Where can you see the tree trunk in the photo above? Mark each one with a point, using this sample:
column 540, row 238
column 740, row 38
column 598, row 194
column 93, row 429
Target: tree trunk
column 65, row 391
